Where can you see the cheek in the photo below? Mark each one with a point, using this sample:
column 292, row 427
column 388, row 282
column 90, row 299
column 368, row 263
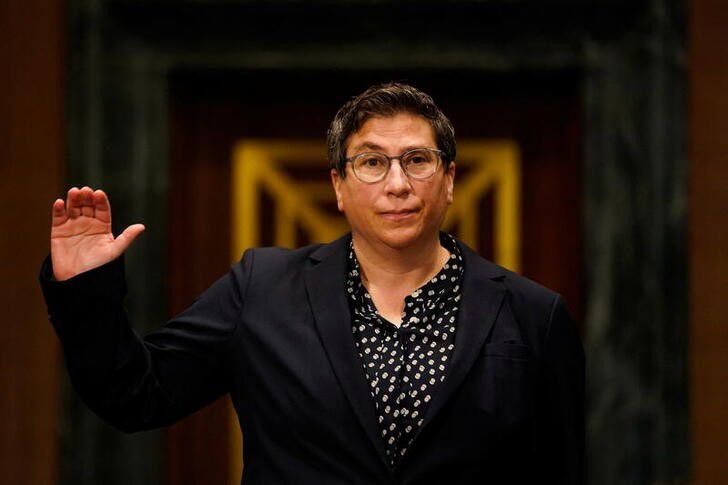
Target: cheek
column 436, row 197
column 357, row 202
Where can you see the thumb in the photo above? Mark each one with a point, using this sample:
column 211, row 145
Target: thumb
column 124, row 240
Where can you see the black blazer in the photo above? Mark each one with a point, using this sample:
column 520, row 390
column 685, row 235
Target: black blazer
column 275, row 333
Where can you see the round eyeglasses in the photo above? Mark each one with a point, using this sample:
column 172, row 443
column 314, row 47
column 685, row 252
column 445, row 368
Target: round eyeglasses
column 418, row 164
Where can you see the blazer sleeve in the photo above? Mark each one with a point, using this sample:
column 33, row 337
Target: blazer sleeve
column 136, row 383
column 563, row 407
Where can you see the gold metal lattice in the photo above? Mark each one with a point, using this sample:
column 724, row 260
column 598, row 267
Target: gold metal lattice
column 260, row 165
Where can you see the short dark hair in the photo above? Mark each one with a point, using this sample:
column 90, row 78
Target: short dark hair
column 387, row 99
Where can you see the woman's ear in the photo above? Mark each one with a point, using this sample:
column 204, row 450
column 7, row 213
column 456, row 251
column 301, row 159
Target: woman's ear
column 336, row 181
column 450, row 176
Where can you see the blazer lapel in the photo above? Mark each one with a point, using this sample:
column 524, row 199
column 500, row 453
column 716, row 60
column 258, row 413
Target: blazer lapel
column 326, row 287
column 482, row 297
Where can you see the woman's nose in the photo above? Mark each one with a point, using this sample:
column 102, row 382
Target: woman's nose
column 396, row 181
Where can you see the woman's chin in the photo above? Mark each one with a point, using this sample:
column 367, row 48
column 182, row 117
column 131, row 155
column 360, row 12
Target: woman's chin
column 401, row 237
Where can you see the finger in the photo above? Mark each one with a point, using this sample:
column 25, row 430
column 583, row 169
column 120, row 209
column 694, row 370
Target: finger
column 124, row 240
column 59, row 213
column 87, row 202
column 102, row 208
column 73, row 206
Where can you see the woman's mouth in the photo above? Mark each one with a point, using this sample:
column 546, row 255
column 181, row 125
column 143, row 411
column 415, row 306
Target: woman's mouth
column 399, row 215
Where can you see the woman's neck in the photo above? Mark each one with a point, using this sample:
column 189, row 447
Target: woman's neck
column 399, row 269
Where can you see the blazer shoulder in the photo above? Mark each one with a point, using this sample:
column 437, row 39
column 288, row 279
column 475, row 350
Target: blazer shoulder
column 536, row 306
column 531, row 303
column 529, row 291
column 274, row 261
column 526, row 291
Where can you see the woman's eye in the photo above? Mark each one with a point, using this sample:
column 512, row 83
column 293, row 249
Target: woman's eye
column 372, row 162
column 418, row 159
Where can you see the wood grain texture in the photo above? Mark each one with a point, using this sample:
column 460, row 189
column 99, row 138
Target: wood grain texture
column 31, row 162
column 709, row 239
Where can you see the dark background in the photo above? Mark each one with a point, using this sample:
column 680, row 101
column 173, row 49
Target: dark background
column 618, row 108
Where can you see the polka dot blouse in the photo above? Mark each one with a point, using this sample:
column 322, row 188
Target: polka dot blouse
column 405, row 365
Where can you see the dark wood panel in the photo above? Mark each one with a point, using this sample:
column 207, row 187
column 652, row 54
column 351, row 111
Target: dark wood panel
column 708, row 239
column 31, row 173
column 199, row 253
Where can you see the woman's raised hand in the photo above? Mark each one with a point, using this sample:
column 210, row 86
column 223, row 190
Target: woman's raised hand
column 81, row 237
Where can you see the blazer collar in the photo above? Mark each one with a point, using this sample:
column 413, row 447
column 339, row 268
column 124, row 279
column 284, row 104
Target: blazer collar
column 326, row 287
column 482, row 297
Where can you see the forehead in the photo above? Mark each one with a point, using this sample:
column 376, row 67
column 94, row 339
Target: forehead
column 395, row 134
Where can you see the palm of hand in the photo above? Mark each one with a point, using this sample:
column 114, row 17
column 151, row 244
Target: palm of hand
column 81, row 237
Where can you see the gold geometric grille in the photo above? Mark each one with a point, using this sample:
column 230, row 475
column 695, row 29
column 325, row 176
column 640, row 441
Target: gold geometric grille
column 263, row 166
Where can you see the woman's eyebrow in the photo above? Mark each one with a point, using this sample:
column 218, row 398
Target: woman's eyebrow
column 373, row 146
column 368, row 145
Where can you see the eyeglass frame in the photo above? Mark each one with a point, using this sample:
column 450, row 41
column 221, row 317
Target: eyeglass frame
column 439, row 153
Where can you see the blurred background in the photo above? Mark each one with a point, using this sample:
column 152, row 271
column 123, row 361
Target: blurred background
column 614, row 116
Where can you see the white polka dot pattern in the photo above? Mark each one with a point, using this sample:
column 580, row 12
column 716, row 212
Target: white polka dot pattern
column 404, row 365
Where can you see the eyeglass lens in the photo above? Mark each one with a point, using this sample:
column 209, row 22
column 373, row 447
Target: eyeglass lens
column 419, row 164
